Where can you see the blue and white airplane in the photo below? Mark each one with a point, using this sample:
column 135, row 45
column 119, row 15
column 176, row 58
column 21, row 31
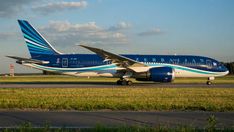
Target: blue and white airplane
column 156, row 68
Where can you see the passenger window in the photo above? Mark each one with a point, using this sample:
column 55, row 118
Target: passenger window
column 214, row 64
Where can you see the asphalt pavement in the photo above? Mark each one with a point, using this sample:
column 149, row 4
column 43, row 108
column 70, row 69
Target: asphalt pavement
column 76, row 119
column 112, row 85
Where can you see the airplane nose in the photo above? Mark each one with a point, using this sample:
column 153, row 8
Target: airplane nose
column 226, row 70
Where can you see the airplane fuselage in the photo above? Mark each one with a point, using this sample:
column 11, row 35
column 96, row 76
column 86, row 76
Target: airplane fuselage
column 94, row 65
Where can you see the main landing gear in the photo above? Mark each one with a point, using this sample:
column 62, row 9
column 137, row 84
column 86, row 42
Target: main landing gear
column 209, row 80
column 124, row 82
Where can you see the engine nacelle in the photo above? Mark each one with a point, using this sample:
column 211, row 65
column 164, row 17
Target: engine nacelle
column 158, row 74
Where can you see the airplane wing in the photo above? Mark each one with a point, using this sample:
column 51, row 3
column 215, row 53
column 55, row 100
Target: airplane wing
column 119, row 60
column 27, row 60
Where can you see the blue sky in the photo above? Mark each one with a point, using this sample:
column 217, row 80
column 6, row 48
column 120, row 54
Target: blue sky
column 198, row 27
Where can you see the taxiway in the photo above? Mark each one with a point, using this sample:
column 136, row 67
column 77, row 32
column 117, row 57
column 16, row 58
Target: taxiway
column 112, row 85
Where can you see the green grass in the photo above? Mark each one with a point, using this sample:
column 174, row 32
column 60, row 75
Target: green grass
column 206, row 99
column 103, row 128
column 69, row 79
column 226, row 79
column 210, row 127
column 136, row 99
column 54, row 78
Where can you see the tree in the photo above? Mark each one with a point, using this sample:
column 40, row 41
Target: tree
column 230, row 67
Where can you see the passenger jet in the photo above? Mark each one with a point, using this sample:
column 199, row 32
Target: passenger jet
column 156, row 68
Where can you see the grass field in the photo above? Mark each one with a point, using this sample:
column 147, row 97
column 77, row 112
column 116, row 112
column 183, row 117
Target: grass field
column 210, row 127
column 137, row 99
column 67, row 79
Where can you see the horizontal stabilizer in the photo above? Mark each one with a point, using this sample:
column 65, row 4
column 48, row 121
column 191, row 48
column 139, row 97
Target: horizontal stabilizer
column 21, row 60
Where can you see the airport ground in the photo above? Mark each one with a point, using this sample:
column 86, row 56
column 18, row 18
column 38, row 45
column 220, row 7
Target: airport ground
column 184, row 102
column 79, row 80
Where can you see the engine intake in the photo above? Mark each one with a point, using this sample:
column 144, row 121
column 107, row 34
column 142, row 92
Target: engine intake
column 158, row 74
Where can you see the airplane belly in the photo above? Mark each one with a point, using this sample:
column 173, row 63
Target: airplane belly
column 185, row 73
column 92, row 74
column 87, row 74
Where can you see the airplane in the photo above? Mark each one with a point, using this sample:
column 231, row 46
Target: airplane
column 155, row 68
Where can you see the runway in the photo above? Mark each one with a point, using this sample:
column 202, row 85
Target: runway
column 112, row 85
column 76, row 119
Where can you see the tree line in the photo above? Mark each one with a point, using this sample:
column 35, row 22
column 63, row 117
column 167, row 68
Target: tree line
column 230, row 67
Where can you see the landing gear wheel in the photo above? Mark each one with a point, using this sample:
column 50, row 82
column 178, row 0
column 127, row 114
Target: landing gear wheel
column 208, row 82
column 129, row 82
column 124, row 82
column 119, row 82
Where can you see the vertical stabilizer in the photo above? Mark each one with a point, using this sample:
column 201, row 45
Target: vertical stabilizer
column 37, row 44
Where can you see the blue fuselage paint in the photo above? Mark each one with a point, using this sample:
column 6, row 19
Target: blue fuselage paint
column 93, row 60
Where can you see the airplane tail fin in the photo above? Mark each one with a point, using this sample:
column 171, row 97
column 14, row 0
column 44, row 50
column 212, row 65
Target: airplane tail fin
column 36, row 43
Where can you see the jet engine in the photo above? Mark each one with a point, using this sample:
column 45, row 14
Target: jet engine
column 157, row 74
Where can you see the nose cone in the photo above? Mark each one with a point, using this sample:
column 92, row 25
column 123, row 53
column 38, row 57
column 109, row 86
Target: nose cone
column 225, row 70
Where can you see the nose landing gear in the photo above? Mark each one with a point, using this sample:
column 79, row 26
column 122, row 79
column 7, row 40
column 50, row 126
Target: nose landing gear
column 209, row 80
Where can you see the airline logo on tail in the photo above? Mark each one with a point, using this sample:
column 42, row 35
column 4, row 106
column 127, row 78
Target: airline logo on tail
column 36, row 43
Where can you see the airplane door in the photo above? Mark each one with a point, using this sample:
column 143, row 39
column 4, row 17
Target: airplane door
column 64, row 62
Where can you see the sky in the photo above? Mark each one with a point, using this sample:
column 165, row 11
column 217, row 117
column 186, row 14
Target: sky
column 187, row 27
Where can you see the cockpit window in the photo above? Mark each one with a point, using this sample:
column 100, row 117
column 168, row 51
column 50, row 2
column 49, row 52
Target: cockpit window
column 214, row 64
column 220, row 65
